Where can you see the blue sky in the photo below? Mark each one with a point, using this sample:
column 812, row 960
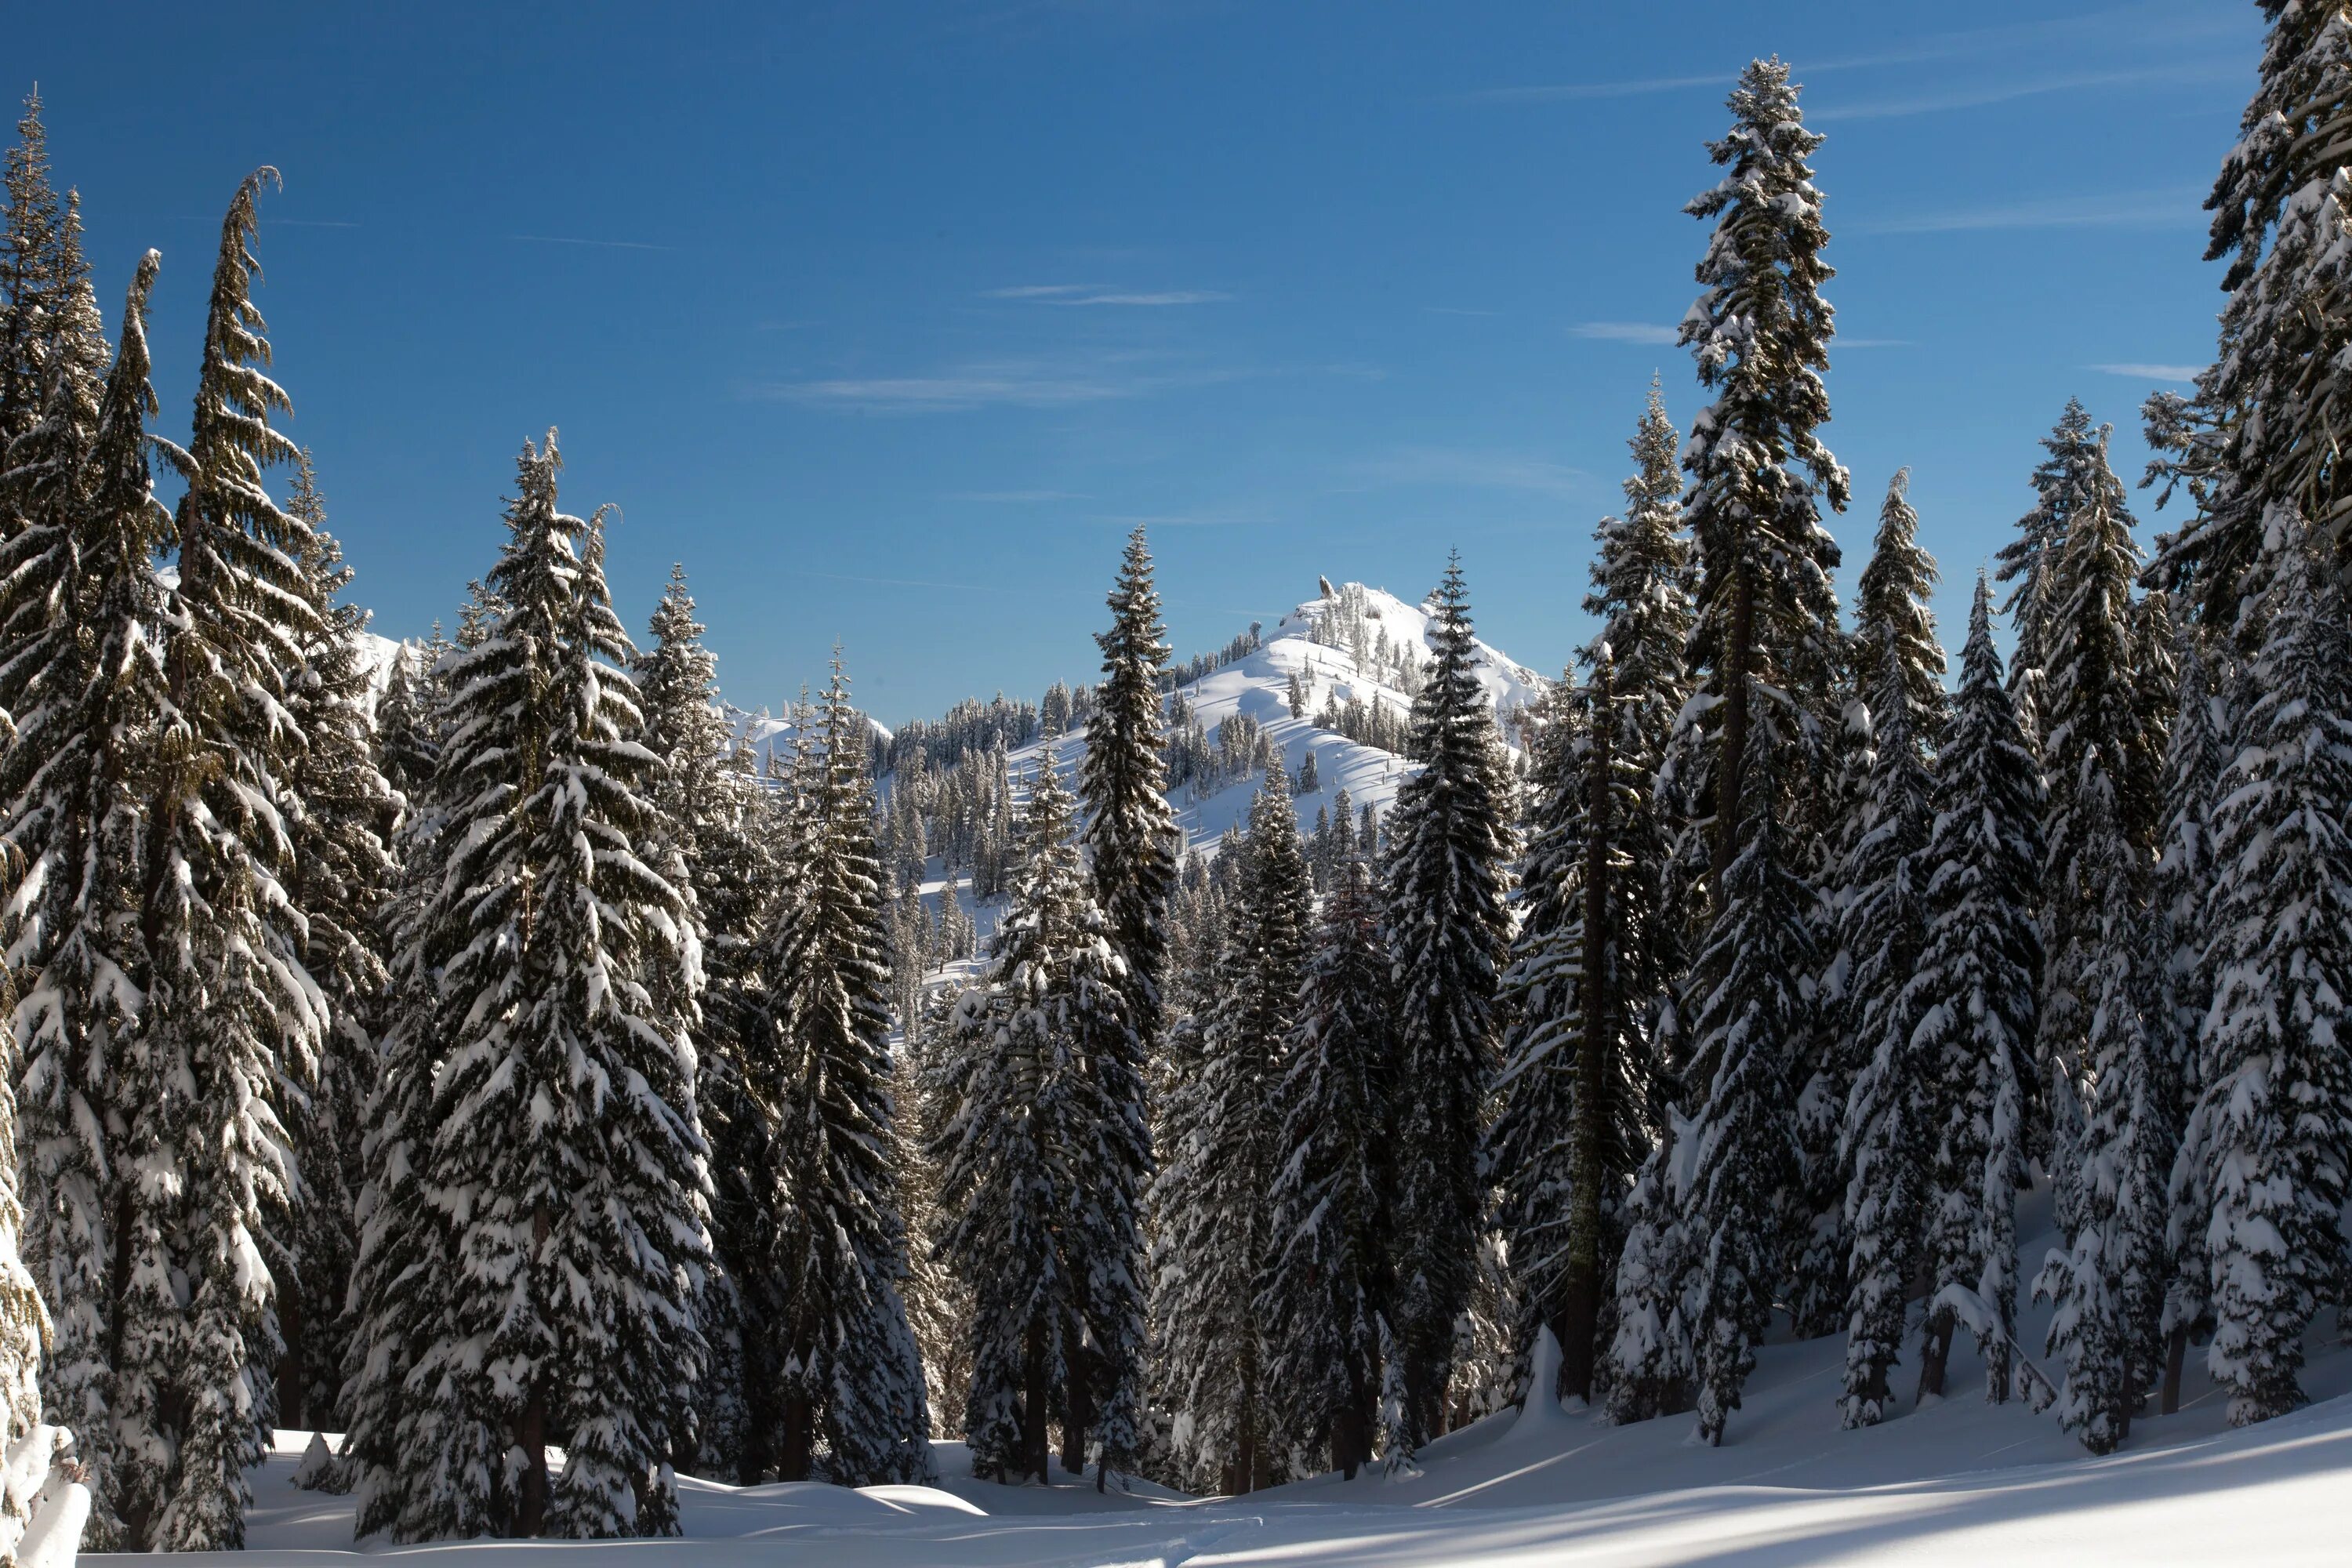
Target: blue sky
column 889, row 319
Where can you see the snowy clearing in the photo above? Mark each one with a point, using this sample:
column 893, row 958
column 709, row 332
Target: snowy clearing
column 1957, row 1481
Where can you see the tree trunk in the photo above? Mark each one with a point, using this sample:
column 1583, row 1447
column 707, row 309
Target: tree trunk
column 1035, row 1452
column 796, row 1445
column 1581, row 1289
column 1732, row 760
column 1350, row 1441
column 1079, row 1405
column 1935, row 1355
column 291, row 1381
column 2176, row 1353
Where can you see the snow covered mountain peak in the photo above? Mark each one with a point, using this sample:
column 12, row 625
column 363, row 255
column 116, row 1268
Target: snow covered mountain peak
column 1333, row 679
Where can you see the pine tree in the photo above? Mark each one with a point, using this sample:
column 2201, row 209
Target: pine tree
column 2184, row 879
column 53, row 353
column 1020, row 1105
column 1448, row 927
column 1974, row 999
column 1879, row 1156
column 1211, row 1203
column 2101, row 762
column 2108, row 1279
column 2277, row 1138
column 1746, row 1008
column 80, row 675
column 709, row 846
column 1885, row 1146
column 2097, row 988
column 1598, row 938
column 407, row 748
column 2066, row 482
column 1651, row 1361
column 569, row 1316
column 1765, row 611
column 233, row 1013
column 341, row 869
column 2258, row 432
column 938, row 1301
column 1131, row 839
column 1328, row 1241
column 819, row 1072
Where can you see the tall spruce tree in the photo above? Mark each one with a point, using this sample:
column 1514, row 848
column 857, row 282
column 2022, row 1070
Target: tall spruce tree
column 2097, row 989
column 2071, row 478
column 819, row 1072
column 81, row 676
column 1766, row 610
column 2276, row 1134
column 1884, row 1144
column 1131, row 840
column 1974, row 998
column 53, row 353
column 1879, row 1154
column 1873, row 896
column 232, row 1011
column 2186, row 871
column 341, row 870
column 1766, row 651
column 407, row 746
column 2258, row 433
column 1212, row 1204
column 1747, row 1010
column 1019, row 1106
column 1327, row 1276
column 1448, row 925
column 568, row 1304
column 2101, row 762
column 1599, row 935
column 711, row 846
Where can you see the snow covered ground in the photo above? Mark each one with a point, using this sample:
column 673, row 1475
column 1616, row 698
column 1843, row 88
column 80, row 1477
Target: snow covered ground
column 1958, row 1482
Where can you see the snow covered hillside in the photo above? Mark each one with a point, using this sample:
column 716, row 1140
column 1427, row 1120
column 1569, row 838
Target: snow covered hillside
column 1956, row 1482
column 1352, row 643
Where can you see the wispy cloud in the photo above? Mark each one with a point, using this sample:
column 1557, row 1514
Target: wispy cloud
column 2180, row 205
column 597, row 244
column 1104, row 294
column 1000, row 384
column 1458, row 468
column 2147, row 26
column 2137, row 371
column 1574, row 91
column 1211, row 517
column 1626, row 332
column 1992, row 92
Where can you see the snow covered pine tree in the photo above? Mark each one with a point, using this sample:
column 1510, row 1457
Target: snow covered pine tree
column 2275, row 1121
column 1766, row 650
column 1018, row 1106
column 1886, row 1096
column 818, row 1069
column 1448, row 926
column 1131, row 837
column 563, row 1304
column 1211, row 1201
column 1974, row 999
column 1598, row 941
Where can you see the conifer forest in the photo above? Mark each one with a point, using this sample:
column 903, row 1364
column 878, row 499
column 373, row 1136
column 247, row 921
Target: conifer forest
column 482, row 1084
